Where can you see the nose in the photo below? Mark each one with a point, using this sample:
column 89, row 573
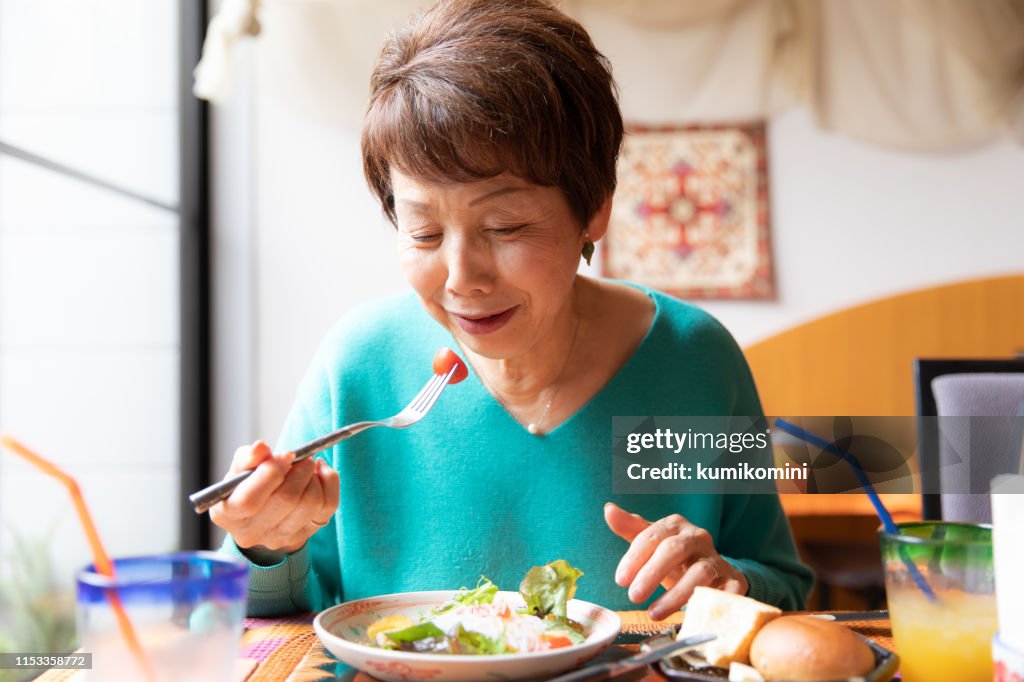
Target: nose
column 470, row 266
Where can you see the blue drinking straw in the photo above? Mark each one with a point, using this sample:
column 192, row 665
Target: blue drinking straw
column 876, row 501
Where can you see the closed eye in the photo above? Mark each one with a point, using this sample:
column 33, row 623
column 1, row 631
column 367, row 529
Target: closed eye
column 511, row 229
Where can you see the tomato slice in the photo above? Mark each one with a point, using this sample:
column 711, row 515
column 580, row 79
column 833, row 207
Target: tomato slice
column 556, row 641
column 445, row 359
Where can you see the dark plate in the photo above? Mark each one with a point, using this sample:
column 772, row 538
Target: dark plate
column 886, row 665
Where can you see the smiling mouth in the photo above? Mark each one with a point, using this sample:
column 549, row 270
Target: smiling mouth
column 484, row 324
column 477, row 318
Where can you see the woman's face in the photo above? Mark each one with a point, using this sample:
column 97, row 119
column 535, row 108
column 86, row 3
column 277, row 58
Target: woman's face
column 493, row 261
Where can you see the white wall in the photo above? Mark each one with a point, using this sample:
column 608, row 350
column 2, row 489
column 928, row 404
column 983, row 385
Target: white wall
column 322, row 248
column 232, row 160
column 850, row 223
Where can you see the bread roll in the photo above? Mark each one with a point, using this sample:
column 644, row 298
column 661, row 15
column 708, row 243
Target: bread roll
column 733, row 618
column 809, row 649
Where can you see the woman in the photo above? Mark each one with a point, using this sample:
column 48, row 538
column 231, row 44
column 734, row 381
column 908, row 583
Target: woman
column 491, row 140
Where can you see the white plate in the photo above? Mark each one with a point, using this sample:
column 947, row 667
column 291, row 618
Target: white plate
column 342, row 628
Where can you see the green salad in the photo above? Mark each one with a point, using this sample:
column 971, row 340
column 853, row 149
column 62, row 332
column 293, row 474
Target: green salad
column 482, row 621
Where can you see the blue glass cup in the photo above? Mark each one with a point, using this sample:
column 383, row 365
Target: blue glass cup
column 186, row 610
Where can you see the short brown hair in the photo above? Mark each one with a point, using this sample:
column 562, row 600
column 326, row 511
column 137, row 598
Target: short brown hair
column 474, row 88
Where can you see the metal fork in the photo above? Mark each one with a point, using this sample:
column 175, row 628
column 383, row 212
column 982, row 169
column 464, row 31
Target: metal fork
column 412, row 413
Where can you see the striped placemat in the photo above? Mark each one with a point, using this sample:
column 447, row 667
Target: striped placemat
column 275, row 649
column 285, row 649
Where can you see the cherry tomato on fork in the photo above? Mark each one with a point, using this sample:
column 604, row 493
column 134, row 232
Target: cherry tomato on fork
column 445, row 359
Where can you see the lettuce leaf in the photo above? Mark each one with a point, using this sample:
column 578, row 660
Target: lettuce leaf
column 563, row 627
column 483, row 593
column 547, row 589
column 470, row 642
column 414, row 633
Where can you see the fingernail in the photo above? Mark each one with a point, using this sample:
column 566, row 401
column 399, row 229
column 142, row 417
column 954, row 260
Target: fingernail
column 655, row 614
column 633, row 592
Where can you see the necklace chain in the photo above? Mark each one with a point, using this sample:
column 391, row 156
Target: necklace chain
column 536, row 427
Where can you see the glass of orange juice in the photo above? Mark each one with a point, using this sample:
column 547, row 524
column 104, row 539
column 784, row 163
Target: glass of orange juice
column 948, row 635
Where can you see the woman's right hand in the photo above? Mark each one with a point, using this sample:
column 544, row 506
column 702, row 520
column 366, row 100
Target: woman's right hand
column 279, row 506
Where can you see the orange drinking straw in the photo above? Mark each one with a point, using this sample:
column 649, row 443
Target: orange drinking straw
column 104, row 566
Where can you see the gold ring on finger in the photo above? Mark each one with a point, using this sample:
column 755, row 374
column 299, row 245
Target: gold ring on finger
column 318, row 524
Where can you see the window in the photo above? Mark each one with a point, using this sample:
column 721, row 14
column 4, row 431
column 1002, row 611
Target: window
column 103, row 273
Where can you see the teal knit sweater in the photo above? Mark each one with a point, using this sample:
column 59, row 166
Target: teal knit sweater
column 468, row 492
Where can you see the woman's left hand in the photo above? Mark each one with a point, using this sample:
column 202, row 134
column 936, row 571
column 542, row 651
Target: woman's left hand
column 671, row 552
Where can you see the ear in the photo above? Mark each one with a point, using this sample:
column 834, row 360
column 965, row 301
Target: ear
column 598, row 225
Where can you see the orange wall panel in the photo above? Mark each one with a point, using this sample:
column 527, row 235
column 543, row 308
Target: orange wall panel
column 859, row 361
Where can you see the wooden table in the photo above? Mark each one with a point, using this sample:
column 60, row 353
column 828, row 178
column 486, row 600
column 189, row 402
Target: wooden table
column 274, row 649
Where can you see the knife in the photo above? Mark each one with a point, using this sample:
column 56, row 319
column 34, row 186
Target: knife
column 853, row 615
column 839, row 617
column 606, row 671
column 643, row 636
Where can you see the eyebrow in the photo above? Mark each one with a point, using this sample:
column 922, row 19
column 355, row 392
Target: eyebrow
column 497, row 192
column 474, row 202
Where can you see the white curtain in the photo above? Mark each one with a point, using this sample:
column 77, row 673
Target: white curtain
column 926, row 75
column 916, row 74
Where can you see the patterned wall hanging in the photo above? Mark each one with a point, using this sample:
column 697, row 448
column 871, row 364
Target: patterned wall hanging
column 690, row 215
